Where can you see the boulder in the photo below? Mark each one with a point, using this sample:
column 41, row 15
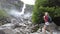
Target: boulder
column 9, row 25
column 2, row 32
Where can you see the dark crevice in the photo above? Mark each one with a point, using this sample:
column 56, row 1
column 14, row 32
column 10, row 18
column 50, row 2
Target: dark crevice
column 57, row 21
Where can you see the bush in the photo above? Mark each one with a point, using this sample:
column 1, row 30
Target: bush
column 41, row 6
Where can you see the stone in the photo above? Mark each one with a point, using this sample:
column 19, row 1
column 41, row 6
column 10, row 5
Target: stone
column 22, row 24
column 9, row 25
column 58, row 28
column 2, row 32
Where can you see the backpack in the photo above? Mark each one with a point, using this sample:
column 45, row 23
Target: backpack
column 49, row 19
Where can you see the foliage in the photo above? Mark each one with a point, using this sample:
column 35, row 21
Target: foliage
column 41, row 6
column 3, row 13
column 3, row 17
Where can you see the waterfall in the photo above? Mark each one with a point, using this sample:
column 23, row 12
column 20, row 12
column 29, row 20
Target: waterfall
column 16, row 12
column 22, row 12
column 20, row 15
column 24, row 6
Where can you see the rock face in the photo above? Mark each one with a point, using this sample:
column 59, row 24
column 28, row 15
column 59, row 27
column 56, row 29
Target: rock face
column 8, row 4
column 28, row 8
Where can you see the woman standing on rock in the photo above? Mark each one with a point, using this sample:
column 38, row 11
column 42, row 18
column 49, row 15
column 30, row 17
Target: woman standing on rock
column 47, row 20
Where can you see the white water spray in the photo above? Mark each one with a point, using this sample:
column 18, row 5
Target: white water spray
column 16, row 13
column 20, row 15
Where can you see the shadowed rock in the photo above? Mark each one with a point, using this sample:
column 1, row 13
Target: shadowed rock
column 2, row 32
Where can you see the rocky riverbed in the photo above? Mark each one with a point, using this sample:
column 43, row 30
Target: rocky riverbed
column 23, row 28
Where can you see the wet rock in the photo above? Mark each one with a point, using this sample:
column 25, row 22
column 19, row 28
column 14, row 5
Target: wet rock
column 2, row 32
column 9, row 25
column 53, row 26
column 58, row 28
column 22, row 24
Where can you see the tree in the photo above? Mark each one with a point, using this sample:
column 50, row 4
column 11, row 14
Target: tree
column 41, row 6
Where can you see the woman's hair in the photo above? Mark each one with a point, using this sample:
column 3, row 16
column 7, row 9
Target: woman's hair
column 46, row 13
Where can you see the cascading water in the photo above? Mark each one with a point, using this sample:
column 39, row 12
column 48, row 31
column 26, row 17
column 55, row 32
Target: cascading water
column 24, row 6
column 20, row 15
column 16, row 13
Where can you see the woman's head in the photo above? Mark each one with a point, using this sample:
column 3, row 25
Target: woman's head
column 46, row 13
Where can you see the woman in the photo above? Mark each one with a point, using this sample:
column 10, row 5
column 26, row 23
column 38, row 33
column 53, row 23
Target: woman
column 46, row 18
